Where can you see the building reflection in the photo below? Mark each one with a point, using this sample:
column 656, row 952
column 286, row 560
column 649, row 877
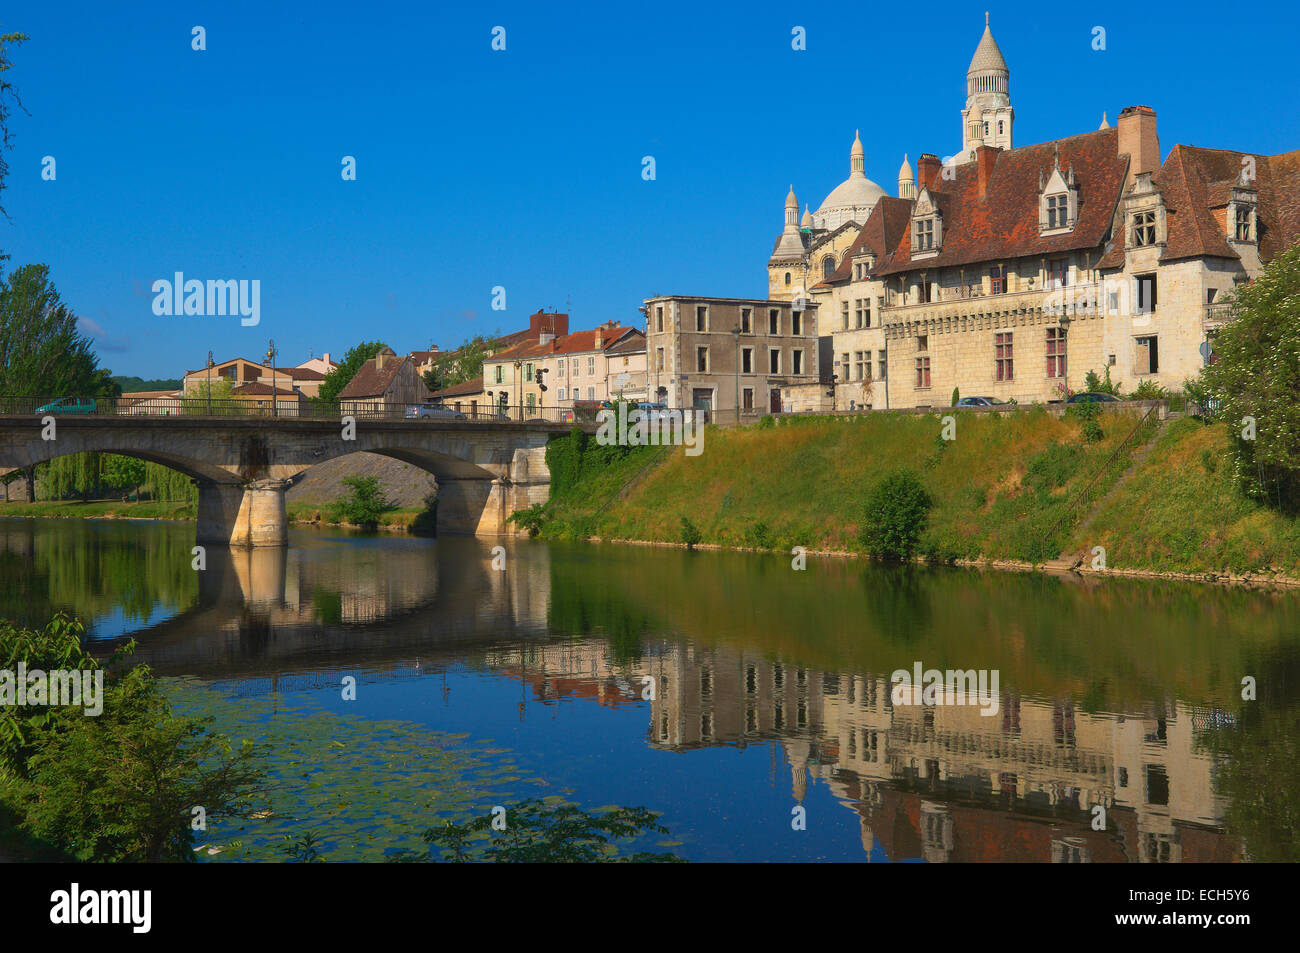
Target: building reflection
column 942, row 783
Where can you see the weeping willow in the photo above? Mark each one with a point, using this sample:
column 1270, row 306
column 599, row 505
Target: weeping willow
column 92, row 475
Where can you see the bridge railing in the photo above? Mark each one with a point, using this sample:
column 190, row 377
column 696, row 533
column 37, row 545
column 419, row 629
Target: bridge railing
column 264, row 407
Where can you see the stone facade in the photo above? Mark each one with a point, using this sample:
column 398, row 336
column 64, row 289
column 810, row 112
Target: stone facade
column 732, row 357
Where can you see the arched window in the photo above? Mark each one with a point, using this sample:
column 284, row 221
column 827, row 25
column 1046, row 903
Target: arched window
column 986, row 129
column 787, row 279
column 999, row 127
column 828, row 266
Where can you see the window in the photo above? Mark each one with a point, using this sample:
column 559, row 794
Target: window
column 774, row 321
column 998, row 280
column 844, row 367
column 560, row 395
column 659, row 318
column 1002, row 355
column 796, row 362
column 796, row 323
column 1144, row 228
column 499, row 374
column 866, row 312
column 747, row 398
column 1146, row 294
column 924, row 238
column 531, row 401
column 1058, row 211
column 747, row 360
column 880, row 370
column 1056, row 352
column 922, row 342
column 1210, row 294
column 828, row 266
column 591, row 365
column 1058, row 273
column 561, row 367
column 591, row 393
column 659, row 359
column 701, row 318
column 528, row 371
column 575, row 367
column 744, row 321
column 773, row 361
column 922, row 372
column 702, row 359
column 925, row 292
column 844, row 314
column 1148, row 356
column 857, row 312
column 999, row 127
column 986, row 130
column 1243, row 223
column 862, row 364
column 787, row 279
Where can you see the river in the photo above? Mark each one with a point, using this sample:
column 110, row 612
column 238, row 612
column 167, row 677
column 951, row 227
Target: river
column 745, row 700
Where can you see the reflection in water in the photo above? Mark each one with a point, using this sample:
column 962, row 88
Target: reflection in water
column 1119, row 695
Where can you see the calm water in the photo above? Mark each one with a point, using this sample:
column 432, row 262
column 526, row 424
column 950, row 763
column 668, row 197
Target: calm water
column 477, row 686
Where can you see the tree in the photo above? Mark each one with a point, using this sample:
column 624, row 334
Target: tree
column 123, row 473
column 7, row 93
column 342, row 375
column 895, row 515
column 463, row 364
column 1257, row 376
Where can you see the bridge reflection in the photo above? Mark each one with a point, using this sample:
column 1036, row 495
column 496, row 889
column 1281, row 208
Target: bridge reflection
column 940, row 783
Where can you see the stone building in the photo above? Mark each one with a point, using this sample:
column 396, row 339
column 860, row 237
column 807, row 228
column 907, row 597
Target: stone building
column 1012, row 272
column 385, row 382
column 735, row 358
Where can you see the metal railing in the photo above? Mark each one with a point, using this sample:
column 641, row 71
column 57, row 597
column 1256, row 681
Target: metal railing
column 289, row 409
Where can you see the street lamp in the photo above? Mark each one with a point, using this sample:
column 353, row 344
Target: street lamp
column 270, row 356
column 209, row 383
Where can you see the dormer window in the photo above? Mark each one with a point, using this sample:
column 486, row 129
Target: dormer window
column 1244, row 223
column 924, row 237
column 1058, row 211
column 1058, row 202
column 1144, row 228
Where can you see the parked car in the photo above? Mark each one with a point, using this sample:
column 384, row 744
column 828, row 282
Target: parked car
column 430, row 411
column 68, row 405
column 1091, row 397
column 980, row 402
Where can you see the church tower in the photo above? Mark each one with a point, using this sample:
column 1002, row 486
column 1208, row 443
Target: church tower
column 987, row 118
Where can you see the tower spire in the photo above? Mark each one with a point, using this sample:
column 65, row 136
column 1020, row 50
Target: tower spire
column 857, row 156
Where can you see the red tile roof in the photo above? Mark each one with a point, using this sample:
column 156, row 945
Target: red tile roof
column 1003, row 223
column 465, row 388
column 887, row 224
column 258, row 389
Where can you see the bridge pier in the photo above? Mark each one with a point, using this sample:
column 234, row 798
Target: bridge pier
column 470, row 507
column 243, row 516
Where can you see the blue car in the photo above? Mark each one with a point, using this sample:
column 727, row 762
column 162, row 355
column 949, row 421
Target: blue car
column 68, row 405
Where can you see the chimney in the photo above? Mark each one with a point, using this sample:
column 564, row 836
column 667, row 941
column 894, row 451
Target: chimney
column 1138, row 140
column 379, row 361
column 928, row 169
column 985, row 157
column 600, row 336
column 327, row 358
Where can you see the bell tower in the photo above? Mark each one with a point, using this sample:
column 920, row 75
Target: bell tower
column 988, row 116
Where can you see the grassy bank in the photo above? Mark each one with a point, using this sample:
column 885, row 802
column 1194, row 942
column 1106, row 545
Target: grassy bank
column 402, row 519
column 1000, row 488
column 1180, row 512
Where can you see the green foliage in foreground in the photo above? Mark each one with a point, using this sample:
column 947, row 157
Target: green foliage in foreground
column 541, row 832
column 119, row 786
column 364, row 505
column 895, row 515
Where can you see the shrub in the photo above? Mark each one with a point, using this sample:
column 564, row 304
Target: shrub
column 363, row 505
column 530, row 519
column 1149, row 390
column 766, row 421
column 895, row 515
column 956, row 396
column 759, row 536
column 690, row 534
column 1099, row 385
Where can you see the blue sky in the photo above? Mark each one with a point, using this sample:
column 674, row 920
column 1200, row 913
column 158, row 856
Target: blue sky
column 522, row 168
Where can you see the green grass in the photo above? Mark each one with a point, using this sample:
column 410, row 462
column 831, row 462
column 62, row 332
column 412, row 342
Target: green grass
column 998, row 487
column 101, row 509
column 1180, row 512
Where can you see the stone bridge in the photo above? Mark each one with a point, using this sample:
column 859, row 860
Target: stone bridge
column 242, row 466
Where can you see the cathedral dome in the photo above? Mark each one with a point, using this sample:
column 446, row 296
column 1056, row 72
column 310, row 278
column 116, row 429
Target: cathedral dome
column 853, row 199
